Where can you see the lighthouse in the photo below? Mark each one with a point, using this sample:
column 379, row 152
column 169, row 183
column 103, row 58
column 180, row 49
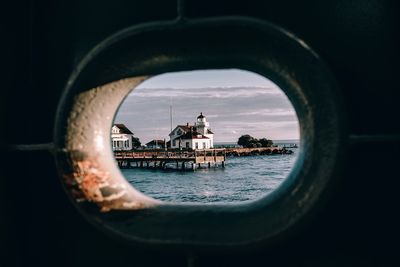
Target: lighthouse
column 197, row 136
column 203, row 127
column 202, row 124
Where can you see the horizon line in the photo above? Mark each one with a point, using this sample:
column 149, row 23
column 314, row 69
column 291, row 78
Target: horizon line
column 211, row 87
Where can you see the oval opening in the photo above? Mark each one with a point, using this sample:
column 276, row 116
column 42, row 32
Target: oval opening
column 206, row 136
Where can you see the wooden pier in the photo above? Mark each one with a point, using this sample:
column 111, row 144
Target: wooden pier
column 176, row 159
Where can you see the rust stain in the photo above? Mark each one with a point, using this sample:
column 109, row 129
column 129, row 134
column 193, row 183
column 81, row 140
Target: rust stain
column 88, row 183
column 90, row 180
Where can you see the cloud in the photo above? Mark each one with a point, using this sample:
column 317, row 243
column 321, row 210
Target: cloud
column 214, row 92
column 231, row 111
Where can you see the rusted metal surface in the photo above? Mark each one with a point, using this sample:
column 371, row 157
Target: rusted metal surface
column 89, row 183
column 93, row 176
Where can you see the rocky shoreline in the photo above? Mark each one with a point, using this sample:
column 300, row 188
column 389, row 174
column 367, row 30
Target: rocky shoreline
column 242, row 152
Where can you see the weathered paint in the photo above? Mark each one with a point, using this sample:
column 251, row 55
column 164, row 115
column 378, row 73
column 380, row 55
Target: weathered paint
column 95, row 176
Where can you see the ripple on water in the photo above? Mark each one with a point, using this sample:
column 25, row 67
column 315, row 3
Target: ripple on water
column 243, row 178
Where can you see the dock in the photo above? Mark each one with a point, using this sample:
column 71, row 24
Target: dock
column 175, row 159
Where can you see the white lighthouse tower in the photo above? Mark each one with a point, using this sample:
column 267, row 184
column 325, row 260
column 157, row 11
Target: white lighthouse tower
column 202, row 127
column 202, row 124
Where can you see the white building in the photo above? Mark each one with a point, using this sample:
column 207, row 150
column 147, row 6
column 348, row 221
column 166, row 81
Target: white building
column 121, row 138
column 197, row 136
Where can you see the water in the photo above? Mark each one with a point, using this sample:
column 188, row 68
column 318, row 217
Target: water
column 243, row 178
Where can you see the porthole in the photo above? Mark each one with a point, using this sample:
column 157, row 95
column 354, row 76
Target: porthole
column 123, row 61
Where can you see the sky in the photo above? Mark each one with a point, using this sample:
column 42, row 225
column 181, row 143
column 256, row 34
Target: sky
column 235, row 102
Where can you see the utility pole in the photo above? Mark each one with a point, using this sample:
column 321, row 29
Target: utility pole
column 170, row 112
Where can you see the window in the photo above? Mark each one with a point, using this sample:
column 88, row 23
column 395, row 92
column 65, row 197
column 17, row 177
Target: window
column 197, row 145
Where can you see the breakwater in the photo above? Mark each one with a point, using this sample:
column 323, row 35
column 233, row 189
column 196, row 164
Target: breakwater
column 240, row 152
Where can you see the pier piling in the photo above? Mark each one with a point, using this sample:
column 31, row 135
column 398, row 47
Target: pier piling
column 161, row 159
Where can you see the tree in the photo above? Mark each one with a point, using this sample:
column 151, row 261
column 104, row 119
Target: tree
column 265, row 142
column 249, row 141
column 135, row 142
column 246, row 141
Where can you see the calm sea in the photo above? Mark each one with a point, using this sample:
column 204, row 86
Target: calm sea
column 243, row 178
